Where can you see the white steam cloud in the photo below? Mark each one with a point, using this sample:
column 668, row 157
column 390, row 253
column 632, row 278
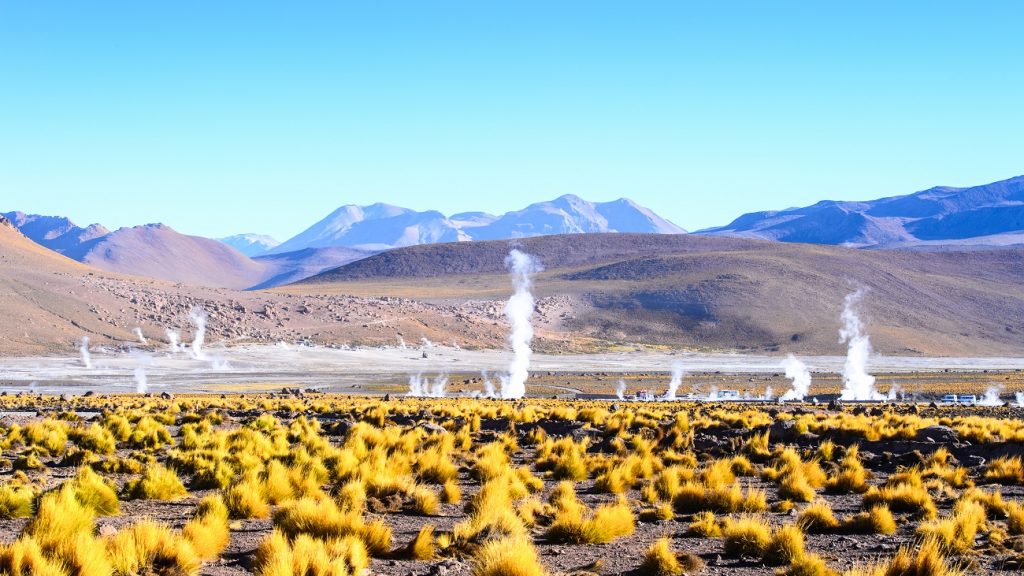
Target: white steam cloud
column 139, row 335
column 83, row 349
column 424, row 387
column 519, row 311
column 401, row 343
column 141, row 382
column 677, row 380
column 620, row 390
column 857, row 383
column 173, row 338
column 488, row 385
column 991, row 397
column 800, row 376
column 1019, row 396
column 198, row 318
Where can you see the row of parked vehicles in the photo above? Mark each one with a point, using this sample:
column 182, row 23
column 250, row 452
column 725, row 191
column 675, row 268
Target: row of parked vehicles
column 960, row 399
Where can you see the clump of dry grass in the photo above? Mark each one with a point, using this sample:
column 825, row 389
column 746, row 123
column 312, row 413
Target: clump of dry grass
column 424, row 501
column 955, row 534
column 246, row 499
column 608, row 522
column 322, row 519
column 25, row 557
column 156, row 483
column 850, row 476
column 208, row 530
column 660, row 560
column 924, row 559
column 451, row 493
column 512, row 556
column 305, row 555
column 1005, row 470
column 705, row 525
column 95, row 492
column 747, row 536
column 422, row 546
column 906, row 495
column 17, row 500
column 150, row 546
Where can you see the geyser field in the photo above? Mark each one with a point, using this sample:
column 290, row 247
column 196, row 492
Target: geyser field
column 187, row 456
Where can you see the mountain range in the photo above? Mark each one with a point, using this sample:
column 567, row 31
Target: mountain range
column 383, row 226
column 940, row 218
column 988, row 215
column 349, row 233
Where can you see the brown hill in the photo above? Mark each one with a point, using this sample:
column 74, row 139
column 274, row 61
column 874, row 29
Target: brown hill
column 158, row 251
column 49, row 302
column 723, row 293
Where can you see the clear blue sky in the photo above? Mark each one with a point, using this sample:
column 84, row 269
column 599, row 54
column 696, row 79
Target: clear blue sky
column 223, row 116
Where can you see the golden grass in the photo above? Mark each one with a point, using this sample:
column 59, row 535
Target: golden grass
column 513, row 556
column 422, row 546
column 660, row 560
column 156, row 483
column 208, row 530
column 746, row 536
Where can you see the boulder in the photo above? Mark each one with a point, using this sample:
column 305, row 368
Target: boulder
column 939, row 434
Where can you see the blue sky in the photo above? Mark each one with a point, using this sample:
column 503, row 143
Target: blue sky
column 223, row 117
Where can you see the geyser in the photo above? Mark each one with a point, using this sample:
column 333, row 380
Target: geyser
column 488, row 385
column 677, row 380
column 620, row 390
column 857, row 383
column 139, row 335
column 519, row 311
column 423, row 387
column 198, row 318
column 173, row 338
column 83, row 349
column 991, row 397
column 800, row 376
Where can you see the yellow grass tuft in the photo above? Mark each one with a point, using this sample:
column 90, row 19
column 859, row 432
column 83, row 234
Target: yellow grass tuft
column 747, row 536
column 208, row 530
column 513, row 556
column 422, row 546
column 156, row 483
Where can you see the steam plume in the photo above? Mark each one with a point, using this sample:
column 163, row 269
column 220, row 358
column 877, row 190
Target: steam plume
column 83, row 349
column 519, row 311
column 173, row 338
column 677, row 380
column 488, row 385
column 857, row 383
column 198, row 318
column 138, row 334
column 1019, row 396
column 423, row 387
column 401, row 343
column 798, row 373
column 620, row 390
column 991, row 397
